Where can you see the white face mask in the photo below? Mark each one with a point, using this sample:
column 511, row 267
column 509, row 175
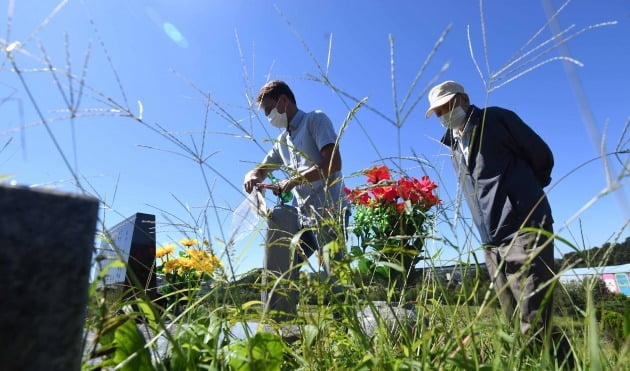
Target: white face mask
column 455, row 119
column 278, row 120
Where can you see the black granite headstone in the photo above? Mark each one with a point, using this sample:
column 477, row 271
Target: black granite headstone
column 133, row 241
column 46, row 244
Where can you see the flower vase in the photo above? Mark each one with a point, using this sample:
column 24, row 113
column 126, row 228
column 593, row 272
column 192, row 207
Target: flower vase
column 406, row 253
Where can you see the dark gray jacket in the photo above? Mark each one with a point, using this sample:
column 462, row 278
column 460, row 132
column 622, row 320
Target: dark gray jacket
column 508, row 166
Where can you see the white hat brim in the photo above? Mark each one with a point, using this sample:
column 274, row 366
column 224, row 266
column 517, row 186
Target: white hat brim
column 440, row 102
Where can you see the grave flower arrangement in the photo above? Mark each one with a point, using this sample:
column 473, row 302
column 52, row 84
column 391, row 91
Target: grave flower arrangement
column 391, row 219
column 188, row 269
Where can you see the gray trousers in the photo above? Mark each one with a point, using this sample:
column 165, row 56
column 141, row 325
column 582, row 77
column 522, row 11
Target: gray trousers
column 520, row 269
column 281, row 262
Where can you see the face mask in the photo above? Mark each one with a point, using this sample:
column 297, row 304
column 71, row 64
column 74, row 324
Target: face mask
column 455, row 119
column 278, row 120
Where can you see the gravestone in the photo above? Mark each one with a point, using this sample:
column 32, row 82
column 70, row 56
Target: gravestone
column 133, row 242
column 393, row 317
column 46, row 245
column 281, row 301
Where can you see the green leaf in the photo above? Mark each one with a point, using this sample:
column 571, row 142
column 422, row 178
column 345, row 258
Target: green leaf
column 356, row 251
column 367, row 363
column 310, row 333
column 130, row 349
column 333, row 247
column 102, row 273
column 463, row 363
column 393, row 266
column 593, row 334
column 549, row 235
column 382, row 271
column 148, row 312
column 294, row 245
column 505, row 337
column 365, row 265
column 251, row 303
column 263, row 351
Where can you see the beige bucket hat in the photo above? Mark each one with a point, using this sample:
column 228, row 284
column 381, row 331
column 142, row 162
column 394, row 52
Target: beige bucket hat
column 442, row 93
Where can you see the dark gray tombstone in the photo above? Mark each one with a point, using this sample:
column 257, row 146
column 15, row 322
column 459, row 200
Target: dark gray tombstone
column 46, row 244
column 282, row 225
column 133, row 242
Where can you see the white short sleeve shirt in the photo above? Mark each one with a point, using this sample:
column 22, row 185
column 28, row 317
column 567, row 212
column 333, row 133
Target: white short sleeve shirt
column 299, row 148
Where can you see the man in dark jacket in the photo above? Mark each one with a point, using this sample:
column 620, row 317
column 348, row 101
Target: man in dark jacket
column 502, row 166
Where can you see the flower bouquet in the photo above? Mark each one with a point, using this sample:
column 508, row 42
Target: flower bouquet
column 185, row 273
column 392, row 218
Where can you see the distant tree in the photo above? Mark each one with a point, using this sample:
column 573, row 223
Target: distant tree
column 620, row 253
column 571, row 298
column 607, row 254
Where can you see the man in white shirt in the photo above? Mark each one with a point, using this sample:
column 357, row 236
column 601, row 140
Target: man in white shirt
column 306, row 150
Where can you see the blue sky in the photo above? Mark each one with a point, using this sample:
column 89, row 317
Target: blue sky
column 171, row 56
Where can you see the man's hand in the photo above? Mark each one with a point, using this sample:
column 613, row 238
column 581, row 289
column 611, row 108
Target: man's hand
column 252, row 179
column 285, row 185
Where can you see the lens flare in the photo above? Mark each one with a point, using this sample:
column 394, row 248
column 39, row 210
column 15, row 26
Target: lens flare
column 173, row 33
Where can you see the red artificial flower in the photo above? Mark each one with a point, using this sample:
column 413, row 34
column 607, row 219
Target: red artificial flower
column 418, row 192
column 426, row 185
column 357, row 196
column 385, row 193
column 377, row 173
column 400, row 207
column 364, row 198
column 431, row 200
column 407, row 189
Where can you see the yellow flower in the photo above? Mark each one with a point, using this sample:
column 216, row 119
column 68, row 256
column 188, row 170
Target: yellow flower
column 170, row 266
column 164, row 250
column 204, row 267
column 188, row 242
column 216, row 261
column 184, row 265
column 195, row 261
column 202, row 261
column 196, row 254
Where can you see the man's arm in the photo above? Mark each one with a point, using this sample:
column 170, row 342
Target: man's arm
column 531, row 147
column 330, row 163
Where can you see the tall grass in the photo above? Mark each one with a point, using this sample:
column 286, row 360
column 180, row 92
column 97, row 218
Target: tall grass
column 452, row 325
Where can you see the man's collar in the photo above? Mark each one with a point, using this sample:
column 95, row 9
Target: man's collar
column 469, row 123
column 296, row 121
column 476, row 114
column 473, row 114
